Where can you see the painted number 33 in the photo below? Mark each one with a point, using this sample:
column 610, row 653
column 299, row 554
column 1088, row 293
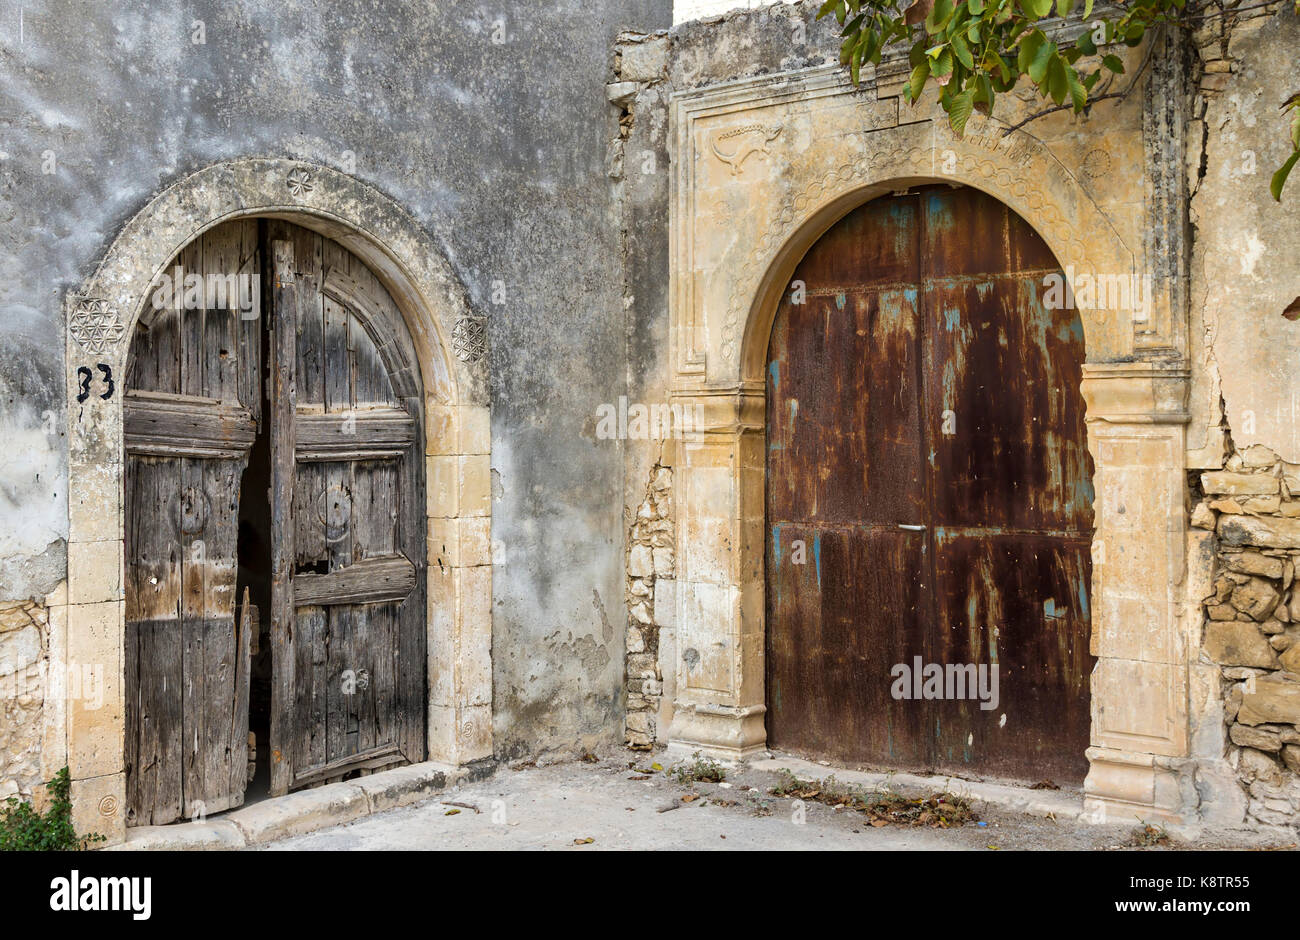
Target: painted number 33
column 84, row 377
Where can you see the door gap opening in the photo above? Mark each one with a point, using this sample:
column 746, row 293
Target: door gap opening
column 254, row 559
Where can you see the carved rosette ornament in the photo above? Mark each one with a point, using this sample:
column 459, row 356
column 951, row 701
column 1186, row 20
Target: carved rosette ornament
column 95, row 326
column 299, row 182
column 469, row 339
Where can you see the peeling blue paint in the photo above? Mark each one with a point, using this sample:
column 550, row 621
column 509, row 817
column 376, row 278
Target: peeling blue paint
column 817, row 556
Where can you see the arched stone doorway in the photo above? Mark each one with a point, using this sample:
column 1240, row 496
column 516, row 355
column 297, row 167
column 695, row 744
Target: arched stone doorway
column 737, row 238
column 102, row 319
column 929, row 497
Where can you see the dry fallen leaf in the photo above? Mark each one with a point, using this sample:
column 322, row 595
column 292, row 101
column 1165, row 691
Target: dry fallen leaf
column 583, row 841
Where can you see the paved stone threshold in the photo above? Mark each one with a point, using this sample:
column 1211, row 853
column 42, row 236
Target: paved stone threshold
column 1061, row 805
column 307, row 810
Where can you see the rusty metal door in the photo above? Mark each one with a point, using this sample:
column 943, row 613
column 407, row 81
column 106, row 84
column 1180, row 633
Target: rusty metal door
column 928, row 497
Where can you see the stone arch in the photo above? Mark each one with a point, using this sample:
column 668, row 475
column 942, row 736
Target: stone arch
column 448, row 353
column 1054, row 204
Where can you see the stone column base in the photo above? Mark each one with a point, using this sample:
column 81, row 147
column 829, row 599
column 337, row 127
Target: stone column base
column 1128, row 787
column 723, row 732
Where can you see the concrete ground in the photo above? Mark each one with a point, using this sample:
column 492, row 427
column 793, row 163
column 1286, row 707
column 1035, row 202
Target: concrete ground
column 619, row 801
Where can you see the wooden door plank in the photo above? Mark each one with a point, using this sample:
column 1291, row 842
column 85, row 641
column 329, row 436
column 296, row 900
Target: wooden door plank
column 237, row 765
column 410, row 660
column 309, row 251
column 309, row 527
column 191, row 319
column 194, row 700
column 338, row 360
column 250, row 327
column 309, row 694
column 370, row 581
column 222, row 247
column 153, row 655
column 338, row 653
column 225, row 744
column 284, row 316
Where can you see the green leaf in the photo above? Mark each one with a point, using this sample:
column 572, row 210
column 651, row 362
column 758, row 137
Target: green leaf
column 984, row 94
column 1087, row 10
column 1063, row 7
column 827, row 7
column 916, row 81
column 976, row 7
column 959, row 110
column 1029, row 47
column 1078, row 93
column 1036, row 9
column 1279, row 178
column 1058, row 85
column 1085, row 44
column 853, row 24
column 871, row 46
column 942, row 67
column 1006, row 79
column 1042, row 59
column 1114, row 63
column 962, row 51
column 916, row 55
column 939, row 16
column 846, row 48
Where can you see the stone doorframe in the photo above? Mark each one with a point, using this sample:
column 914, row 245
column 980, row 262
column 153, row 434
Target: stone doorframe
column 763, row 167
column 88, row 627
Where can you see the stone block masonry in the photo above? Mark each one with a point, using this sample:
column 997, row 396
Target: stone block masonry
column 1252, row 624
column 24, row 641
column 650, row 563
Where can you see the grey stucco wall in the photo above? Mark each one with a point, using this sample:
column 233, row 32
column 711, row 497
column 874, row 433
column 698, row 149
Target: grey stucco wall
column 498, row 148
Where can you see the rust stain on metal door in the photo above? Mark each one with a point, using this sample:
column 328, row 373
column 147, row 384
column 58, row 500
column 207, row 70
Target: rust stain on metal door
column 929, row 495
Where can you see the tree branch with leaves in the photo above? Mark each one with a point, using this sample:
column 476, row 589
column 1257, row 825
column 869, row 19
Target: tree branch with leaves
column 975, row 50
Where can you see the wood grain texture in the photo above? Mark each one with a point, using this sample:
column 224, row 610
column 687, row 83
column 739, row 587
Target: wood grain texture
column 346, row 509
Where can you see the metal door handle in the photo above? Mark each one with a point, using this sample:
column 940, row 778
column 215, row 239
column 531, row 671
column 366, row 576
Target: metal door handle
column 913, row 528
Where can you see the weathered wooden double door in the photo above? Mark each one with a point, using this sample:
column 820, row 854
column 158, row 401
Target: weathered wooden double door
column 927, row 458
column 274, row 476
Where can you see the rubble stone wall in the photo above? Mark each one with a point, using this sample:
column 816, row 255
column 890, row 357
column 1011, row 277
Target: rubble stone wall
column 24, row 643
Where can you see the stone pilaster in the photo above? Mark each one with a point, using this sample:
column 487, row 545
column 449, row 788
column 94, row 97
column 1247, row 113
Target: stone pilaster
column 1136, row 432
column 720, row 698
